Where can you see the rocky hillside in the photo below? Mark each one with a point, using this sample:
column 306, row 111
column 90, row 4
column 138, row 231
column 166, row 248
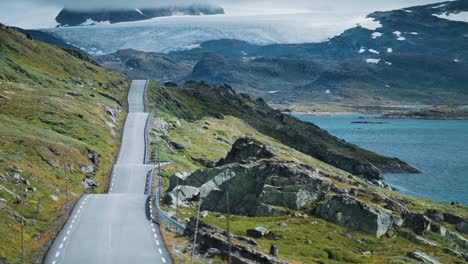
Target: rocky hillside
column 283, row 201
column 58, row 110
column 69, row 17
column 142, row 65
column 194, row 101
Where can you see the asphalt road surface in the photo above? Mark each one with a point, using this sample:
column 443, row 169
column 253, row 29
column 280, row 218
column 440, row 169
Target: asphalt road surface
column 115, row 227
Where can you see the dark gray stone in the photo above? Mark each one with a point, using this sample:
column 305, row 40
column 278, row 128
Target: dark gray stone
column 184, row 195
column 258, row 232
column 274, row 250
column 246, row 149
column 462, row 227
column 418, row 222
column 416, row 239
column 435, row 215
column 422, row 257
column 261, row 188
column 349, row 212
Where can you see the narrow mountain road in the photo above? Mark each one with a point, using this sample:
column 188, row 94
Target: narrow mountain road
column 115, row 227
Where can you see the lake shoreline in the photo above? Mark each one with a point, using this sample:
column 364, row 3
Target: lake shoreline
column 415, row 141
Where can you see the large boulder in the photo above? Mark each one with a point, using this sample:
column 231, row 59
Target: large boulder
column 262, row 188
column 422, row 257
column 246, row 149
column 349, row 212
column 182, row 195
column 418, row 222
column 462, row 227
column 257, row 232
column 458, row 239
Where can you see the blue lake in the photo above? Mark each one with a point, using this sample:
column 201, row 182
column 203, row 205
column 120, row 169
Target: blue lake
column 438, row 147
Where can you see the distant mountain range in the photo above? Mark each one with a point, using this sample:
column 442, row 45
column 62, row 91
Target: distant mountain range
column 419, row 55
column 68, row 17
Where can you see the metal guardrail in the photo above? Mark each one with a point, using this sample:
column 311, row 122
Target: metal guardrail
column 163, row 218
column 145, row 96
column 147, row 155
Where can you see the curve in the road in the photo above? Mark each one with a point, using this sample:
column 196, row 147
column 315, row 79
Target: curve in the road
column 115, row 227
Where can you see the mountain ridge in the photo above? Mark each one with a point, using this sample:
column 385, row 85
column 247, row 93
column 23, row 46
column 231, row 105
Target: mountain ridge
column 69, row 17
column 412, row 57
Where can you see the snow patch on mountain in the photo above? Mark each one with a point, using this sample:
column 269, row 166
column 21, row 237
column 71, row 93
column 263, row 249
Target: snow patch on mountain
column 399, row 35
column 389, row 50
column 374, row 51
column 373, row 61
column 368, row 22
column 460, row 17
column 90, row 22
column 376, row 35
column 439, row 6
column 194, row 46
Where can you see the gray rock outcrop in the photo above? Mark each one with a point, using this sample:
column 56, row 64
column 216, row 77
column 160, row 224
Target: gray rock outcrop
column 246, row 149
column 262, row 188
column 418, row 222
column 422, row 257
column 349, row 212
column 416, row 239
column 458, row 239
column 212, row 241
column 462, row 227
column 182, row 195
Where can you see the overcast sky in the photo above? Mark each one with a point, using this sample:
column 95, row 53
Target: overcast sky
column 41, row 13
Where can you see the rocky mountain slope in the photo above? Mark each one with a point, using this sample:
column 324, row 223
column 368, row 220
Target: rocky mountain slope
column 59, row 112
column 141, row 65
column 310, row 211
column 417, row 56
column 69, row 17
column 196, row 100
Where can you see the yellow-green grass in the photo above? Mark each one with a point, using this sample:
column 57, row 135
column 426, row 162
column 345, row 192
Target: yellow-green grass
column 314, row 240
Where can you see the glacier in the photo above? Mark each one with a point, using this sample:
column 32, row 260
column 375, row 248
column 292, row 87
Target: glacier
column 168, row 34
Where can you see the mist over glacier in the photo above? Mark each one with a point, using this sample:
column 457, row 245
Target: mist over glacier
column 178, row 33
